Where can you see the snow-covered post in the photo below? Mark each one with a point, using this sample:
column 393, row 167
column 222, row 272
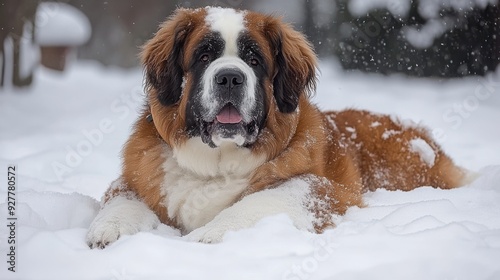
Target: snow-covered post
column 59, row 28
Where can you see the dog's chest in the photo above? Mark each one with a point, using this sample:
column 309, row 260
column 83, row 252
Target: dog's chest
column 200, row 181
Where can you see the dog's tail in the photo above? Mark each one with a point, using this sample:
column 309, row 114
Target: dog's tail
column 468, row 177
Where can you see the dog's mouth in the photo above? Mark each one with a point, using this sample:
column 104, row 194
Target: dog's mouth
column 228, row 115
column 228, row 126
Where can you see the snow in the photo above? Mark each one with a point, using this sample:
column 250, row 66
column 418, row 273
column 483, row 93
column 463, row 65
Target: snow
column 60, row 24
column 424, row 36
column 389, row 133
column 78, row 121
column 424, row 150
column 398, row 8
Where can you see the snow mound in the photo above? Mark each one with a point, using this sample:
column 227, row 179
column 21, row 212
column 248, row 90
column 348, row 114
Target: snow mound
column 60, row 24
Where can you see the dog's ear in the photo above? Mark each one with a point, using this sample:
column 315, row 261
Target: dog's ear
column 162, row 57
column 295, row 64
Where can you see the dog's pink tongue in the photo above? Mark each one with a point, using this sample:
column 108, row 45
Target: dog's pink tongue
column 229, row 114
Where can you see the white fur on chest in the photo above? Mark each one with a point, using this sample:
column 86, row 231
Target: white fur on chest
column 201, row 181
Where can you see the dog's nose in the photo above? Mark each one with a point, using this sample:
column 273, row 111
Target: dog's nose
column 229, row 78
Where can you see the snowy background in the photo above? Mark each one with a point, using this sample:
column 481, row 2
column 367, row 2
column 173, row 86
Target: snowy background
column 54, row 133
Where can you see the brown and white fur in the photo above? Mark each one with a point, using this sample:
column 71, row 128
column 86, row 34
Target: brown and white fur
column 229, row 136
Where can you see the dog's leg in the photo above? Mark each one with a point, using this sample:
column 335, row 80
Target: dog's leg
column 122, row 213
column 308, row 208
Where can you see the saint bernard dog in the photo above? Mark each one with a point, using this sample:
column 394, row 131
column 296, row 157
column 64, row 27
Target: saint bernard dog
column 229, row 136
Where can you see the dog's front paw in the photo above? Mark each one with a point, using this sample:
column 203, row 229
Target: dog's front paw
column 101, row 233
column 207, row 234
column 119, row 217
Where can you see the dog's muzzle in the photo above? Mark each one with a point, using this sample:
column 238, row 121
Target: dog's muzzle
column 229, row 123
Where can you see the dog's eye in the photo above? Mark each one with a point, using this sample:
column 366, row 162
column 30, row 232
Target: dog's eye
column 204, row 58
column 254, row 62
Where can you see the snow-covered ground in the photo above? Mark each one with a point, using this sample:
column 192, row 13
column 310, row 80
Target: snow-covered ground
column 65, row 134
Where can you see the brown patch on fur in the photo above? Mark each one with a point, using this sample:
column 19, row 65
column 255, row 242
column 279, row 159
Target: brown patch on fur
column 163, row 54
column 288, row 141
column 270, row 32
column 384, row 156
column 142, row 169
column 166, row 57
column 291, row 59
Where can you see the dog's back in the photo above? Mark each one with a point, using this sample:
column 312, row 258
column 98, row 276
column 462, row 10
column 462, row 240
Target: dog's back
column 393, row 154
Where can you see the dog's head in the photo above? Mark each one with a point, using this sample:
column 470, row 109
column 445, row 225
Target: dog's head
column 223, row 74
